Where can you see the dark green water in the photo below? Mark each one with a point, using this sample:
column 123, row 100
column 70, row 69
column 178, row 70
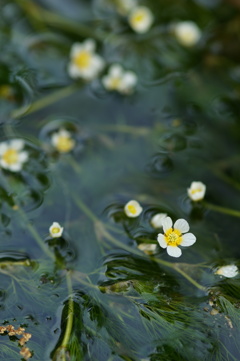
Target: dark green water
column 92, row 294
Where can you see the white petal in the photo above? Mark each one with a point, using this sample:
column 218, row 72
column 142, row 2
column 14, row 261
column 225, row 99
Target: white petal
column 174, row 251
column 229, row 271
column 16, row 144
column 197, row 191
column 76, row 49
column 188, row 239
column 89, row 45
column 98, row 63
column 15, row 167
column 161, row 240
column 116, row 70
column 3, row 147
column 59, row 228
column 22, row 157
column 145, row 23
column 157, row 219
column 130, row 79
column 187, row 33
column 106, row 80
column 181, row 225
column 133, row 209
column 167, row 224
column 73, row 71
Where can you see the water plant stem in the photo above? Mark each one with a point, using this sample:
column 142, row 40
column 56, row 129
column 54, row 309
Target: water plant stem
column 41, row 16
column 220, row 209
column 44, row 102
column 68, row 330
column 35, row 233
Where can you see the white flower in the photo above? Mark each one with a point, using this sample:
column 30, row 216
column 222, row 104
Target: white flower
column 157, row 219
column 62, row 141
column 148, row 248
column 120, row 80
column 133, row 209
column 140, row 19
column 84, row 62
column 173, row 236
column 124, row 6
column 229, row 271
column 12, row 157
column 187, row 33
column 196, row 191
column 55, row 230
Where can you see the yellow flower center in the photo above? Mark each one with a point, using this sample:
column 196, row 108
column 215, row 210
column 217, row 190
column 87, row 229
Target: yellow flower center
column 138, row 17
column 173, row 237
column 132, row 209
column 82, row 59
column 10, row 156
column 114, row 83
column 64, row 144
column 55, row 230
column 193, row 191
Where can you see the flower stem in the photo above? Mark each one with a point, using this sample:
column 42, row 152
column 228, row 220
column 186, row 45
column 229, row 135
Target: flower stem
column 220, row 209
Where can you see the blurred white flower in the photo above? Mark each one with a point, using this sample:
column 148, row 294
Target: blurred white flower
column 133, row 209
column 12, row 156
column 187, row 33
column 173, row 236
column 157, row 219
column 196, row 191
column 55, row 230
column 148, row 248
column 140, row 19
column 63, row 141
column 119, row 80
column 124, row 6
column 84, row 62
column 229, row 271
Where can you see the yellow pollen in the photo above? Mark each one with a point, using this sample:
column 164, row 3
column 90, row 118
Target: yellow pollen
column 173, row 237
column 82, row 59
column 114, row 83
column 64, row 144
column 132, row 209
column 138, row 18
column 193, row 191
column 55, row 230
column 10, row 156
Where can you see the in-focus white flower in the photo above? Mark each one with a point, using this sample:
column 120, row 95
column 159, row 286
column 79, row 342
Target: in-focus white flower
column 63, row 141
column 140, row 19
column 124, row 6
column 148, row 248
column 157, row 219
column 196, row 191
column 133, row 209
column 173, row 236
column 187, row 33
column 229, row 271
column 12, row 156
column 84, row 62
column 120, row 80
column 55, row 230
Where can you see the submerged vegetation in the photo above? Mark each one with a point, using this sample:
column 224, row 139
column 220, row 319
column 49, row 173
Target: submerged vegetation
column 119, row 132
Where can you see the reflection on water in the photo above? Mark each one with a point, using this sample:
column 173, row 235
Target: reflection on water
column 147, row 108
